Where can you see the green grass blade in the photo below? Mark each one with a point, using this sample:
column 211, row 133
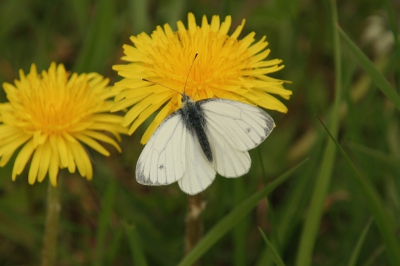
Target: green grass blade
column 393, row 26
column 383, row 220
column 271, row 211
column 115, row 244
column 138, row 257
column 139, row 16
column 275, row 255
column 374, row 255
column 174, row 11
column 311, row 226
column 240, row 231
column 374, row 74
column 14, row 227
column 380, row 156
column 105, row 214
column 230, row 220
column 98, row 42
column 360, row 242
column 291, row 215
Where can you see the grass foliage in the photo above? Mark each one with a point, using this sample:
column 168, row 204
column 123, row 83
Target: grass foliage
column 341, row 207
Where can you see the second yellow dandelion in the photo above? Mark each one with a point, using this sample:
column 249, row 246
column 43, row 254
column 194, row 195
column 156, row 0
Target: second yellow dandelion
column 50, row 115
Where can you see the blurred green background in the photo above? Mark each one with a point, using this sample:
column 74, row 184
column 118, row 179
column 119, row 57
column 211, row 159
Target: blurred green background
column 112, row 220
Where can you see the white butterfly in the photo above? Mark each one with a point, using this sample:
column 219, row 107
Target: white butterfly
column 200, row 139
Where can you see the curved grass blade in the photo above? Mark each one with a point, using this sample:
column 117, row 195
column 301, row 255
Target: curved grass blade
column 230, row 220
column 106, row 209
column 138, row 257
column 324, row 174
column 275, row 255
column 240, row 231
column 393, row 26
column 360, row 242
column 115, row 245
column 292, row 212
column 374, row 256
column 383, row 220
column 380, row 156
column 98, row 42
column 374, row 74
column 139, row 16
column 271, row 211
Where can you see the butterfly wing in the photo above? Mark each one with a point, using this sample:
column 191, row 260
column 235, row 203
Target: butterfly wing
column 228, row 161
column 161, row 161
column 233, row 128
column 199, row 172
column 244, row 126
column 173, row 153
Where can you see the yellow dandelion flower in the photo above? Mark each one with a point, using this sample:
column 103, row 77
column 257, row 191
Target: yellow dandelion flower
column 225, row 68
column 50, row 115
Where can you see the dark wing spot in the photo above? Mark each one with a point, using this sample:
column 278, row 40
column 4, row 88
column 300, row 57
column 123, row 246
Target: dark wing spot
column 161, row 167
column 248, row 130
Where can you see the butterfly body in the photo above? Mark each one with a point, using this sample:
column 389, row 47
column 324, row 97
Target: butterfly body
column 194, row 120
column 202, row 138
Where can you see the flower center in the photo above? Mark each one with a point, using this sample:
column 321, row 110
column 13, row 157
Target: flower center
column 54, row 117
column 56, row 108
column 219, row 62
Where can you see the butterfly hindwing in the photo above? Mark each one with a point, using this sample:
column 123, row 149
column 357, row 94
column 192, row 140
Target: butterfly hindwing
column 233, row 128
column 199, row 172
column 228, row 161
column 161, row 161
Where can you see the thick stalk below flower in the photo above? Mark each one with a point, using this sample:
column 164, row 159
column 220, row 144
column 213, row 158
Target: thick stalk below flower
column 49, row 249
column 194, row 224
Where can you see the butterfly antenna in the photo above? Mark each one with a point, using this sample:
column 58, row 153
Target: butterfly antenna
column 160, row 85
column 187, row 77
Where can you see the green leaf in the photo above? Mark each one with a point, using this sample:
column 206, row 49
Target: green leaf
column 383, row 220
column 105, row 214
column 371, row 70
column 138, row 257
column 393, row 26
column 374, row 255
column 275, row 254
column 115, row 245
column 240, row 231
column 380, row 156
column 97, row 46
column 230, row 220
column 323, row 179
column 360, row 242
column 139, row 16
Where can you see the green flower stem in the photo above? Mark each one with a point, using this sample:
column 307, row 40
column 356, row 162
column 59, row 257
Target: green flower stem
column 194, row 225
column 49, row 250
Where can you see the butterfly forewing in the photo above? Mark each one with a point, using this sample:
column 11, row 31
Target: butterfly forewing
column 242, row 125
column 161, row 161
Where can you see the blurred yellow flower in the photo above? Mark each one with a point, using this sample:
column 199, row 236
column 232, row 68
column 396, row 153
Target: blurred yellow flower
column 225, row 68
column 50, row 115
